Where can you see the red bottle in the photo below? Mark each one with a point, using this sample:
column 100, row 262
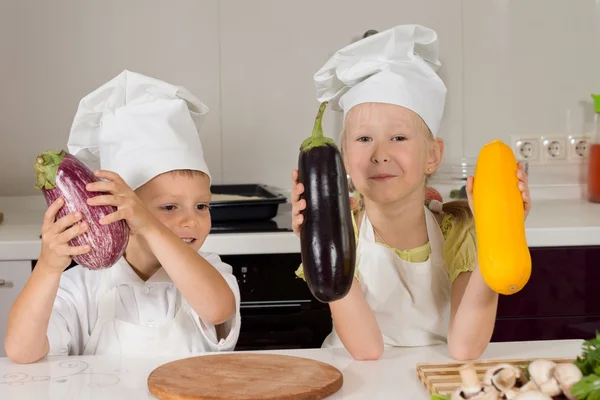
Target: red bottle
column 594, row 156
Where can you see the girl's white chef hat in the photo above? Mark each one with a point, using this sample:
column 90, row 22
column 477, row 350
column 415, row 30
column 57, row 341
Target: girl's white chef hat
column 396, row 66
column 139, row 127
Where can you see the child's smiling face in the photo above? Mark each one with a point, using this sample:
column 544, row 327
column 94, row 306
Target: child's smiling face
column 180, row 199
column 388, row 151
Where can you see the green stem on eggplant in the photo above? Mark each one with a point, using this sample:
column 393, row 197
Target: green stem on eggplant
column 46, row 165
column 317, row 139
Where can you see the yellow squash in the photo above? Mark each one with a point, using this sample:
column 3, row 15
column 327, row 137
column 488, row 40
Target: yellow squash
column 503, row 254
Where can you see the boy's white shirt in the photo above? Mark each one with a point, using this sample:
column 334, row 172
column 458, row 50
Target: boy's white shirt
column 149, row 303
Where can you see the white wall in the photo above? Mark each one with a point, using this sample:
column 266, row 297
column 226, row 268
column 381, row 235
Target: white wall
column 511, row 67
column 54, row 53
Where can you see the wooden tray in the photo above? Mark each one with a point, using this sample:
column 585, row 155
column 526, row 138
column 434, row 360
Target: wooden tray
column 243, row 377
column 444, row 378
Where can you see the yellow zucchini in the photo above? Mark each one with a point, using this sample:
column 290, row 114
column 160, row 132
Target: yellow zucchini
column 503, row 254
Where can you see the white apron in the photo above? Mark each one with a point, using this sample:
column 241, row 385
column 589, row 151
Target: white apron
column 111, row 336
column 411, row 301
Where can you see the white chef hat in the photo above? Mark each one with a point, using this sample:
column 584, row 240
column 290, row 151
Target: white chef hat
column 139, row 127
column 396, row 66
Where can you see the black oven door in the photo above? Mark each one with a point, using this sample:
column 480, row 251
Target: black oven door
column 277, row 309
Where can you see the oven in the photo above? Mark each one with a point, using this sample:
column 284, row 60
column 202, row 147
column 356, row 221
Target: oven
column 277, row 309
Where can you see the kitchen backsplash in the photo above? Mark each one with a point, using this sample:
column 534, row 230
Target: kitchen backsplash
column 511, row 67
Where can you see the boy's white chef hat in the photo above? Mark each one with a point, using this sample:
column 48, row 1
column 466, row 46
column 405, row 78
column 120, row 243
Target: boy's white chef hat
column 396, row 66
column 139, row 127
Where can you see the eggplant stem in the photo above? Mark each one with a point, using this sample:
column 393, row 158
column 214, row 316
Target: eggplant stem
column 46, row 167
column 318, row 128
column 317, row 139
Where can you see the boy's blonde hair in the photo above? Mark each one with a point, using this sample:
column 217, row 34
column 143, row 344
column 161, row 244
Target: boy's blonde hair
column 459, row 209
column 190, row 173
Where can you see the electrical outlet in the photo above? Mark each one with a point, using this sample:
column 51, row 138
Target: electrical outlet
column 579, row 147
column 526, row 148
column 554, row 148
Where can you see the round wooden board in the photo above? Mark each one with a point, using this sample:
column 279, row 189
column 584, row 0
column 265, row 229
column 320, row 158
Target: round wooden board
column 244, row 376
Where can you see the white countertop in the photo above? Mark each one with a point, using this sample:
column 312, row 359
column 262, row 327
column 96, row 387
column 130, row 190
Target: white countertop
column 392, row 377
column 566, row 221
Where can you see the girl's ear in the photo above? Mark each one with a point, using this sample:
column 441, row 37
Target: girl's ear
column 434, row 157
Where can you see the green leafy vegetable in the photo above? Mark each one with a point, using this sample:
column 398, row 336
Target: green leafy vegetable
column 588, row 363
column 588, row 388
column 439, row 397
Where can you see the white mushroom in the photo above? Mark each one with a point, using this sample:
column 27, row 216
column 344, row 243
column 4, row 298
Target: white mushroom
column 502, row 376
column 533, row 395
column 508, row 379
column 509, row 394
column 567, row 374
column 487, row 393
column 542, row 373
column 514, row 393
column 528, row 386
column 471, row 388
column 470, row 381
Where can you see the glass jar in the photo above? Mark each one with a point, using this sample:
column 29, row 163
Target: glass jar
column 450, row 180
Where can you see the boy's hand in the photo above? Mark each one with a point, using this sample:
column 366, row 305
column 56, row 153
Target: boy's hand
column 129, row 206
column 523, row 187
column 56, row 251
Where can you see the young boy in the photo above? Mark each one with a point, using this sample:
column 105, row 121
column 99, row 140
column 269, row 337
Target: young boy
column 164, row 296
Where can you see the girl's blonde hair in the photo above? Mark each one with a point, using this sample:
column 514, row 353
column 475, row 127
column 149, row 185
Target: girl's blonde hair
column 459, row 209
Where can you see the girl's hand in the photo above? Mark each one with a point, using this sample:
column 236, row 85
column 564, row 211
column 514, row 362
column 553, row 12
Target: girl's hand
column 524, row 188
column 129, row 206
column 56, row 251
column 298, row 205
column 522, row 184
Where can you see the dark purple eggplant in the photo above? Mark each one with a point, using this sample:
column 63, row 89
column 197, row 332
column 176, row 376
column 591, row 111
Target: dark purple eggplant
column 328, row 245
column 63, row 175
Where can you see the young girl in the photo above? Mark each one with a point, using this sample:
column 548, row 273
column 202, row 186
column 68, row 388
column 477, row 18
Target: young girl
column 164, row 296
column 417, row 281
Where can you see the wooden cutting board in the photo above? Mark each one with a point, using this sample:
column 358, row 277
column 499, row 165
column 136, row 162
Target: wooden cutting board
column 445, row 379
column 244, row 376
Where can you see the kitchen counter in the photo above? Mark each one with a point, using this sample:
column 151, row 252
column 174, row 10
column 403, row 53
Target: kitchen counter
column 392, row 377
column 561, row 222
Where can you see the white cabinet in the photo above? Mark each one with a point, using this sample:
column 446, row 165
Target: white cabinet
column 13, row 275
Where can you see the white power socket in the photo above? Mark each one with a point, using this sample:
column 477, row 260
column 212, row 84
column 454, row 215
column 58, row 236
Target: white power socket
column 551, row 149
column 579, row 147
column 526, row 148
column 554, row 148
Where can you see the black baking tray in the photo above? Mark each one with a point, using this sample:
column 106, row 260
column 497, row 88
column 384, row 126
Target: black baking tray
column 245, row 210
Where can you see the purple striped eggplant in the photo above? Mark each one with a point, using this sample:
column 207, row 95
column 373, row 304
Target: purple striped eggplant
column 327, row 243
column 63, row 175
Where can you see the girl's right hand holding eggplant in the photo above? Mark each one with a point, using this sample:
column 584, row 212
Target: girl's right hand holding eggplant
column 298, row 204
column 56, row 252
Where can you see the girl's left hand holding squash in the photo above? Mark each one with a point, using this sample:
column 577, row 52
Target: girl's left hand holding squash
column 523, row 187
